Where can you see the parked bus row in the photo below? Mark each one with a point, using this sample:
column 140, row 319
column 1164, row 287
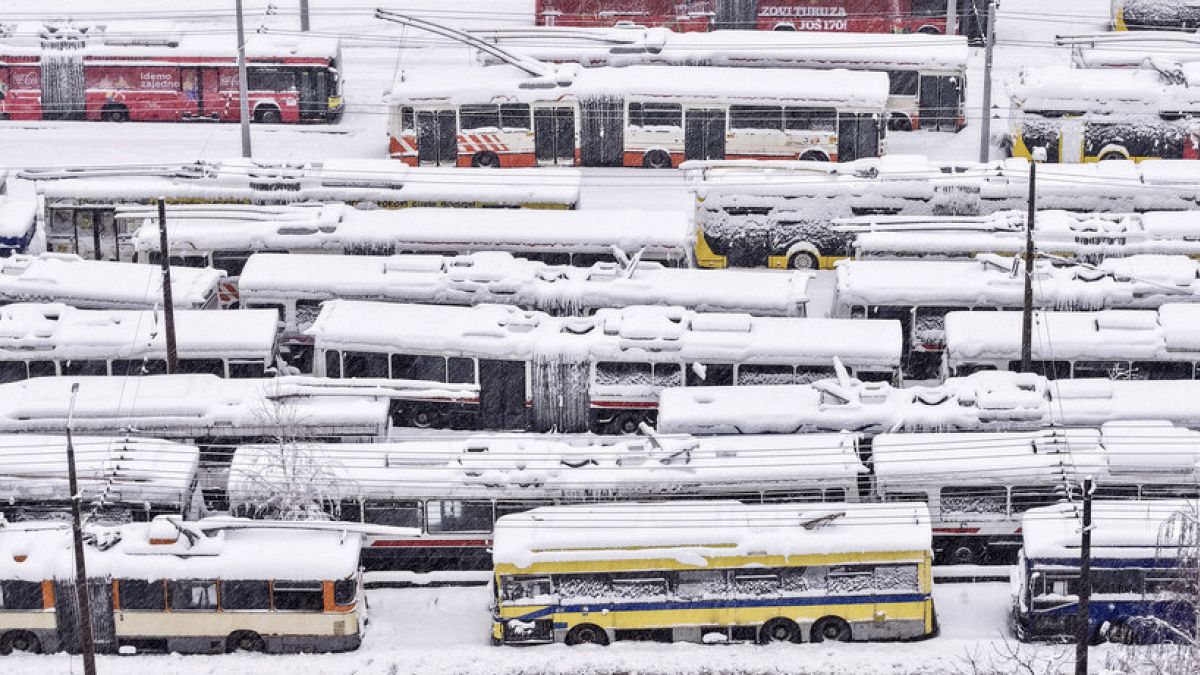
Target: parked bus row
column 927, row 73
column 784, row 214
column 169, row 586
column 83, row 73
column 79, row 207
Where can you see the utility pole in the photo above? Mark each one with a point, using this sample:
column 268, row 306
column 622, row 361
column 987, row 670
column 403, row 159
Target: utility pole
column 1082, row 619
column 303, row 16
column 985, row 128
column 82, row 597
column 951, row 17
column 164, row 254
column 1027, row 306
column 243, row 98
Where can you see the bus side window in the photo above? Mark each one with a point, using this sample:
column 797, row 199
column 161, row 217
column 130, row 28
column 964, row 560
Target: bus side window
column 245, row 595
column 406, row 119
column 42, row 369
column 345, row 591
column 306, row 313
column 202, row 367
column 755, row 582
column 123, row 367
column 333, row 363
column 84, row 367
column 246, row 369
column 810, row 119
column 479, row 116
column 393, row 514
column 141, row 595
column 756, row 117
column 452, row 515
column 233, row 262
column 297, row 596
column 364, row 365
column 515, row 116
column 902, row 82
column 460, row 370
column 13, row 371
column 191, row 594
column 710, row 375
column 975, row 499
column 20, row 595
column 418, row 367
column 700, row 583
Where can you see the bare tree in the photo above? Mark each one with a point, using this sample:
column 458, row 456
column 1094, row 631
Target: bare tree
column 288, row 480
column 1010, row 656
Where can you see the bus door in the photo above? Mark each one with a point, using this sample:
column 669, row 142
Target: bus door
column 66, row 610
column 314, row 101
column 437, row 137
column 858, row 136
column 501, row 394
column 554, row 135
column 96, row 234
column 704, row 133
column 939, row 102
column 1070, row 144
column 602, row 132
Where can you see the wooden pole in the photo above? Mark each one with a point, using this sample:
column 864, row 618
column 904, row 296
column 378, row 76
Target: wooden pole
column 164, row 254
column 82, row 597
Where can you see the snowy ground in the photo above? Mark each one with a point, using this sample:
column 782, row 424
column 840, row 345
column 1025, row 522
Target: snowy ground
column 444, row 631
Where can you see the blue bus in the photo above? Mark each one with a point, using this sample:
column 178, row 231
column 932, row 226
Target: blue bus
column 1140, row 592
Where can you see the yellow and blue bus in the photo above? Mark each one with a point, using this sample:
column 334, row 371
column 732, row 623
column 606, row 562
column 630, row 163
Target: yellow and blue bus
column 713, row 572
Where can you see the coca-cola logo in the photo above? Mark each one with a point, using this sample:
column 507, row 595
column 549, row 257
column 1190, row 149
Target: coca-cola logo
column 29, row 79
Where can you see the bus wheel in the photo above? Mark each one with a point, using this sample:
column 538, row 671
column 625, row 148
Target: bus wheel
column 899, row 122
column 485, row 160
column 587, row 634
column 965, row 553
column 929, row 30
column 245, row 641
column 625, row 424
column 422, row 419
column 19, row 641
column 779, row 630
column 831, row 628
column 1112, row 156
column 115, row 113
column 814, row 156
column 656, row 159
column 803, row 260
column 268, row 115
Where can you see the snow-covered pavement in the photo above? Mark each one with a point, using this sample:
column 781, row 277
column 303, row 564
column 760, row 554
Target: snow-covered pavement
column 445, row 631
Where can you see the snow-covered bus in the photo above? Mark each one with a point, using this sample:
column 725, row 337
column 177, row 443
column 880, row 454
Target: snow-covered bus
column 225, row 237
column 97, row 284
column 84, row 73
column 1087, row 237
column 714, row 571
column 1117, row 343
column 453, row 490
column 173, row 586
column 1090, row 115
column 121, row 479
column 927, row 73
column 79, row 206
column 978, row 485
column 982, row 401
column 18, row 221
column 637, row 116
column 1142, row 590
column 1176, row 15
column 40, row 340
column 530, row 370
column 919, row 293
column 783, row 214
column 295, row 286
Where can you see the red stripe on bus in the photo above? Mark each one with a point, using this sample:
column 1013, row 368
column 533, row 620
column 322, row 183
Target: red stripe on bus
column 624, row 404
column 430, row 543
column 956, row 530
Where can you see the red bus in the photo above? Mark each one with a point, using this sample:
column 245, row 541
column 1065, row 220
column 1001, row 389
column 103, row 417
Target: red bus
column 856, row 16
column 70, row 75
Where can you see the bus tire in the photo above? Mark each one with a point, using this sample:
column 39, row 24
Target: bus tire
column 656, row 159
column 586, row 634
column 268, row 114
column 965, row 553
column 114, row 112
column 803, row 260
column 899, row 122
column 779, row 630
column 1112, row 156
column 831, row 628
column 485, row 160
column 814, row 156
column 624, row 424
column 929, row 30
column 20, row 641
column 244, row 641
column 421, row 418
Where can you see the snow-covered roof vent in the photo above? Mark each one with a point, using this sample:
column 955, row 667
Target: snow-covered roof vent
column 414, row 263
column 722, row 323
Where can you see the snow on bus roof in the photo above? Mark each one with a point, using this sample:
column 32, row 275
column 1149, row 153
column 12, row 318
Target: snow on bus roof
column 16, row 218
column 56, row 331
column 1120, row 529
column 189, row 405
column 659, row 45
column 339, row 227
column 1160, row 50
column 693, row 531
column 34, row 467
column 1102, row 90
column 518, row 467
column 668, row 334
column 266, row 181
column 1145, row 280
column 156, row 40
column 840, row 88
column 1170, row 333
column 498, row 277
column 101, row 284
column 191, row 550
column 988, row 400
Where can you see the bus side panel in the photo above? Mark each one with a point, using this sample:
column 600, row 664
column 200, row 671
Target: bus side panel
column 207, row 630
